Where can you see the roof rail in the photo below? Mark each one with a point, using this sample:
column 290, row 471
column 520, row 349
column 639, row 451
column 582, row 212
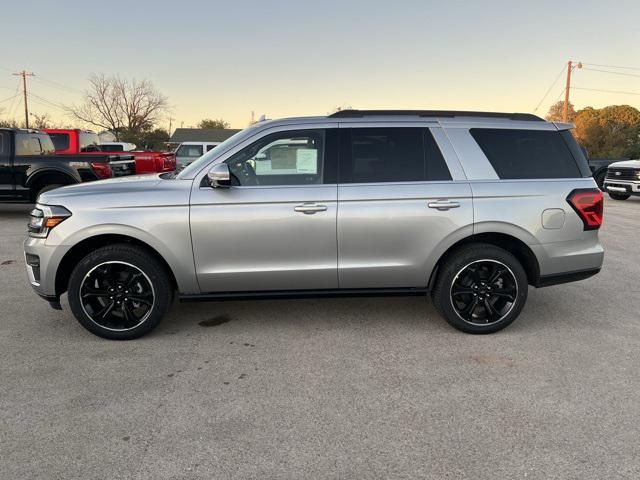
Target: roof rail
column 434, row 113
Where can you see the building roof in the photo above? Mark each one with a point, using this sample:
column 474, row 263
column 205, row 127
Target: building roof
column 202, row 134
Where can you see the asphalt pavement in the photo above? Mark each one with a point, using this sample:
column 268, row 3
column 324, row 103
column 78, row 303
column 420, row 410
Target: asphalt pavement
column 360, row 388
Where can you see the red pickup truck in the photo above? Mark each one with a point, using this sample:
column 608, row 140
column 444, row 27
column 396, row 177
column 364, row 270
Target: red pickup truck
column 76, row 141
column 146, row 161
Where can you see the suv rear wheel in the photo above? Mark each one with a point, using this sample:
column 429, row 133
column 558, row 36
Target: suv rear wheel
column 480, row 288
column 119, row 292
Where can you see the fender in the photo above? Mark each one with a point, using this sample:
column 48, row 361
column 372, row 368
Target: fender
column 183, row 272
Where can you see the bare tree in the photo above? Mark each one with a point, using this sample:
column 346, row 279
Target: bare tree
column 120, row 105
column 40, row 121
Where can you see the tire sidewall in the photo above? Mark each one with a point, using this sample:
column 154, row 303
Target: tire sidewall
column 139, row 259
column 455, row 263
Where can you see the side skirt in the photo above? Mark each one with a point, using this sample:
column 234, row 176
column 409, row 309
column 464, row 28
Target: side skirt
column 270, row 295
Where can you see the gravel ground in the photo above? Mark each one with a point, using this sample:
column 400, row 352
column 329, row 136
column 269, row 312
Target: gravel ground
column 338, row 388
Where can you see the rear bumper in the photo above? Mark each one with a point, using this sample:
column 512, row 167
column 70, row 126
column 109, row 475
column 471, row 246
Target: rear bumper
column 558, row 278
column 570, row 261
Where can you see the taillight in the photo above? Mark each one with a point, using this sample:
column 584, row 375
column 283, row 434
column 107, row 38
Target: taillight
column 589, row 205
column 101, row 169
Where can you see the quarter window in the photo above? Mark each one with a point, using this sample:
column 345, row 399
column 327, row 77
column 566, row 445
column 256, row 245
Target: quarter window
column 283, row 158
column 399, row 154
column 529, row 154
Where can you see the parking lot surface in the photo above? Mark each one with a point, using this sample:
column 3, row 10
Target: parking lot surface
column 337, row 388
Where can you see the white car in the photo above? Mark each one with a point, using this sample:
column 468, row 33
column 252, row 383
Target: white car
column 187, row 152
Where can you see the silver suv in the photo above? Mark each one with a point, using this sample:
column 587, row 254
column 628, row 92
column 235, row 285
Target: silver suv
column 468, row 207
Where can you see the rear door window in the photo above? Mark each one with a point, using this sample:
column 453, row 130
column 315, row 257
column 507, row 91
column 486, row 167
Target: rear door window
column 60, row 140
column 396, row 154
column 526, row 154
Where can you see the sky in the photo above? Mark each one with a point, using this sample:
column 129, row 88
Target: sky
column 289, row 58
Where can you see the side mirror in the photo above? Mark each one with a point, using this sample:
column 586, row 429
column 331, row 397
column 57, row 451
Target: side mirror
column 219, row 176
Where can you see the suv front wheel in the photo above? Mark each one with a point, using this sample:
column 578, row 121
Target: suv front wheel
column 480, row 288
column 119, row 292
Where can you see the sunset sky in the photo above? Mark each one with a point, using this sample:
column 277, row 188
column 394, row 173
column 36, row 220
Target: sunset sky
column 286, row 58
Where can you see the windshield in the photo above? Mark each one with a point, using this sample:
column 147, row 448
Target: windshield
column 193, row 168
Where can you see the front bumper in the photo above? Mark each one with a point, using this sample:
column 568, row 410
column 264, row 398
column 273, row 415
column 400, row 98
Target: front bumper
column 42, row 263
column 629, row 187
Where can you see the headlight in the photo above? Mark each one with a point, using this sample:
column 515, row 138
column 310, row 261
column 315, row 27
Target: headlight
column 43, row 218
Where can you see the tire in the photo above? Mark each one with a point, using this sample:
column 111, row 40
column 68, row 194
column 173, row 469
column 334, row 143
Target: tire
column 125, row 292
column 600, row 180
column 618, row 196
column 464, row 278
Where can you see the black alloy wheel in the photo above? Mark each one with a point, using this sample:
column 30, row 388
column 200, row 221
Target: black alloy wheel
column 117, row 296
column 484, row 292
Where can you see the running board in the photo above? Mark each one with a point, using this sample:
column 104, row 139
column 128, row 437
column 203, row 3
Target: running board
column 329, row 293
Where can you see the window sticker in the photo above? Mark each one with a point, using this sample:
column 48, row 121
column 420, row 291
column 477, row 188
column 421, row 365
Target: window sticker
column 307, row 161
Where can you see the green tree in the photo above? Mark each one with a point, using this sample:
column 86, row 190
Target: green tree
column 213, row 123
column 152, row 139
column 612, row 131
column 556, row 110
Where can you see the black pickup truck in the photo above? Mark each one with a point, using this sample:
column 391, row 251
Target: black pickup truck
column 599, row 167
column 29, row 165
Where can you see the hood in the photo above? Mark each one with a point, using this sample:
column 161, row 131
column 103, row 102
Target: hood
column 113, row 185
column 626, row 164
column 121, row 192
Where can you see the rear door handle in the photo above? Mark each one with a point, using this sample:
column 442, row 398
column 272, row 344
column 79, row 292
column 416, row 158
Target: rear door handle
column 310, row 208
column 443, row 205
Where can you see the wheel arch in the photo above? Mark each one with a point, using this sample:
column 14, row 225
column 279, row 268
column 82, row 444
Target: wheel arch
column 87, row 245
column 41, row 178
column 514, row 245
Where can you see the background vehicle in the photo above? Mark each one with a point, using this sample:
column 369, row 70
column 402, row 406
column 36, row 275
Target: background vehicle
column 469, row 207
column 623, row 179
column 187, row 152
column 146, row 161
column 29, row 165
column 86, row 142
column 599, row 167
column 117, row 146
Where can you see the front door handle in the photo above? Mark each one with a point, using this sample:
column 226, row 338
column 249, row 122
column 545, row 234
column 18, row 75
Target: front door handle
column 310, row 208
column 443, row 205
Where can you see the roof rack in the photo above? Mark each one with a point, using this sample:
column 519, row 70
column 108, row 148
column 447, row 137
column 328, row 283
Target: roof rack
column 433, row 113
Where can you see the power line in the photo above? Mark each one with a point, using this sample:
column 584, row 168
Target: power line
column 611, row 66
column 44, row 101
column 13, row 105
column 606, row 91
column 549, row 89
column 613, row 73
column 59, row 85
column 9, row 98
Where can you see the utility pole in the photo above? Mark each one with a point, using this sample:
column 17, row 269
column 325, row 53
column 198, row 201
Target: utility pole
column 24, row 76
column 170, row 120
column 565, row 107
